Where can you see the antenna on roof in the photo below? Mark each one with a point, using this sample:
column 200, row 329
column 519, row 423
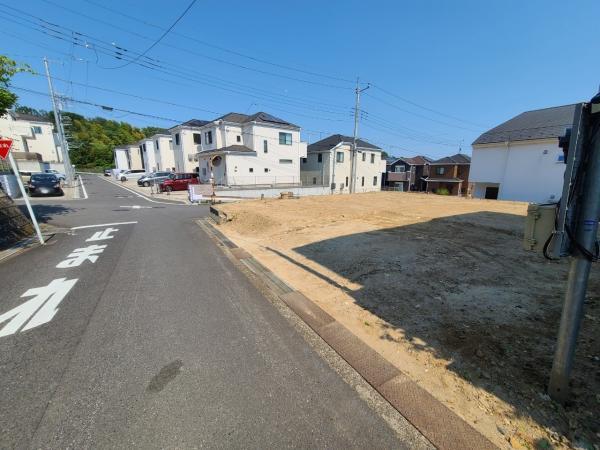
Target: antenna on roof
column 460, row 145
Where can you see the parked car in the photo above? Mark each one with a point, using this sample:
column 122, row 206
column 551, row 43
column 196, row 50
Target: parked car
column 131, row 174
column 25, row 177
column 153, row 178
column 107, row 172
column 59, row 175
column 178, row 182
column 44, row 184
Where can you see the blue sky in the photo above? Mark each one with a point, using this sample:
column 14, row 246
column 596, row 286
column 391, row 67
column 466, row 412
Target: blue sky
column 463, row 66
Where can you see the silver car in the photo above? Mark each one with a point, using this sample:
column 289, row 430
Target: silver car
column 153, row 178
column 131, row 174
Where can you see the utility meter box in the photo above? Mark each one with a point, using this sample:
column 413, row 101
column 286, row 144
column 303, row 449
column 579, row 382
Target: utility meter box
column 539, row 225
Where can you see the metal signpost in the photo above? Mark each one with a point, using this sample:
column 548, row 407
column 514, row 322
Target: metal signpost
column 5, row 145
column 579, row 212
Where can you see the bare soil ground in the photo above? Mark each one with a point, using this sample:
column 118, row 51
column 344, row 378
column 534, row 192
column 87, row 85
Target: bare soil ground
column 441, row 287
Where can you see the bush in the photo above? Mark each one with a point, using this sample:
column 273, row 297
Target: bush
column 442, row 191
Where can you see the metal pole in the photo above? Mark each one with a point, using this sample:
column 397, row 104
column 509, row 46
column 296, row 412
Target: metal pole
column 586, row 237
column 60, row 129
column 357, row 91
column 26, row 198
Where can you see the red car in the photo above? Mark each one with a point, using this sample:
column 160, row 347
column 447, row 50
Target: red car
column 179, row 182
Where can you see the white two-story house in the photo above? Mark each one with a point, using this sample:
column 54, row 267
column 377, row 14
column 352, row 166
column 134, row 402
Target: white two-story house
column 164, row 156
column 520, row 159
column 31, row 134
column 128, row 157
column 329, row 163
column 186, row 138
column 246, row 150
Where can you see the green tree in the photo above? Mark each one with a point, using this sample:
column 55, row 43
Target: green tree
column 8, row 68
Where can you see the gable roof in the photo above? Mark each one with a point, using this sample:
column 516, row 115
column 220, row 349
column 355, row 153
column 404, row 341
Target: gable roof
column 537, row 124
column 329, row 142
column 459, row 158
column 262, row 117
column 228, row 149
column 191, row 123
column 29, row 117
column 414, row 161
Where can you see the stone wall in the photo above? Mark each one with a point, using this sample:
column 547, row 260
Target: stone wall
column 14, row 225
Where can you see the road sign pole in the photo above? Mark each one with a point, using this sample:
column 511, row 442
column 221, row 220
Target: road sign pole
column 586, row 238
column 29, row 208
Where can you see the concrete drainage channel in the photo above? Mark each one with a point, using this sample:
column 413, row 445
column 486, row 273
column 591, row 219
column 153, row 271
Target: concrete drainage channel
column 437, row 423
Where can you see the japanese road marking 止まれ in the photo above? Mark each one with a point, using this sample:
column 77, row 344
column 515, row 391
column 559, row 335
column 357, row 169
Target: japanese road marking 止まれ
column 43, row 306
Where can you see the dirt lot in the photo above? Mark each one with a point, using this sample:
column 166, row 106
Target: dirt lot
column 442, row 288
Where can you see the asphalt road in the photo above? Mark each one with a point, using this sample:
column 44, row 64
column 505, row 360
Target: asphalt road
column 155, row 340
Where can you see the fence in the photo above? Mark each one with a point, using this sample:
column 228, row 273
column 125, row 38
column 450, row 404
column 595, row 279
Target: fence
column 236, row 182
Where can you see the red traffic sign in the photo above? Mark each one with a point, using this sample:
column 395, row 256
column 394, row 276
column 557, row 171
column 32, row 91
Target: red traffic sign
column 5, row 145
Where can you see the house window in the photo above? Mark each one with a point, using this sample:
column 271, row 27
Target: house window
column 176, row 138
column 144, row 148
column 399, row 169
column 265, row 146
column 266, row 169
column 171, row 144
column 440, row 170
column 362, row 181
column 364, row 156
column 157, row 147
column 346, row 181
column 251, row 169
column 314, row 180
column 304, row 160
column 208, row 137
column 285, row 161
column 372, row 158
column 285, row 138
column 36, row 130
column 197, row 138
column 238, row 139
column 320, row 157
column 374, row 181
column 339, row 157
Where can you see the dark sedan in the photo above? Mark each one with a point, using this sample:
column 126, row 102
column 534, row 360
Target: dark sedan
column 44, row 184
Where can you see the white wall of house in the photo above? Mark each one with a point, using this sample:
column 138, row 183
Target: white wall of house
column 30, row 136
column 272, row 161
column 523, row 171
column 185, row 151
column 121, row 158
column 369, row 168
column 163, row 152
column 148, row 154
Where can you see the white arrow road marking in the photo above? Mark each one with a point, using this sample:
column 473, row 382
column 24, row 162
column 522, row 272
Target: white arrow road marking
column 52, row 294
column 136, row 207
column 102, row 235
column 79, row 255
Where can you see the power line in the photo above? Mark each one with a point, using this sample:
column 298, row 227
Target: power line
column 188, row 51
column 420, row 115
column 426, row 108
column 113, row 51
column 167, row 31
column 223, row 49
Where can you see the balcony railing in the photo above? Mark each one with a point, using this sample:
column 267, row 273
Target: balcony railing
column 398, row 176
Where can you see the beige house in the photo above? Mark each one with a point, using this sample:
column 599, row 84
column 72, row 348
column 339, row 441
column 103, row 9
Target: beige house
column 31, row 134
column 329, row 162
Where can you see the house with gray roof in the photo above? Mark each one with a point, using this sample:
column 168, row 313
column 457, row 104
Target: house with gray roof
column 238, row 149
column 329, row 163
column 449, row 174
column 520, row 159
column 406, row 174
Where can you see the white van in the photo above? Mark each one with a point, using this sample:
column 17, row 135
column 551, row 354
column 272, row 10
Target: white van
column 131, row 174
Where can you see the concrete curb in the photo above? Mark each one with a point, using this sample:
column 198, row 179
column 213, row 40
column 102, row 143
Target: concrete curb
column 440, row 425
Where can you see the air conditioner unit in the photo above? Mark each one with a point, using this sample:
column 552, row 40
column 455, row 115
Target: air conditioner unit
column 192, row 158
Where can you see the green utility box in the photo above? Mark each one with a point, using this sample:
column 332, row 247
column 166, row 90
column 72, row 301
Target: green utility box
column 539, row 225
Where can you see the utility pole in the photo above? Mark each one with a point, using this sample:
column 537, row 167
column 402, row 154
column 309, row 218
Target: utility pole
column 64, row 146
column 585, row 238
column 357, row 92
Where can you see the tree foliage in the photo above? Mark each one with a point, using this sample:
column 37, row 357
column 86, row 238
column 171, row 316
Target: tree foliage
column 92, row 140
column 8, row 68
